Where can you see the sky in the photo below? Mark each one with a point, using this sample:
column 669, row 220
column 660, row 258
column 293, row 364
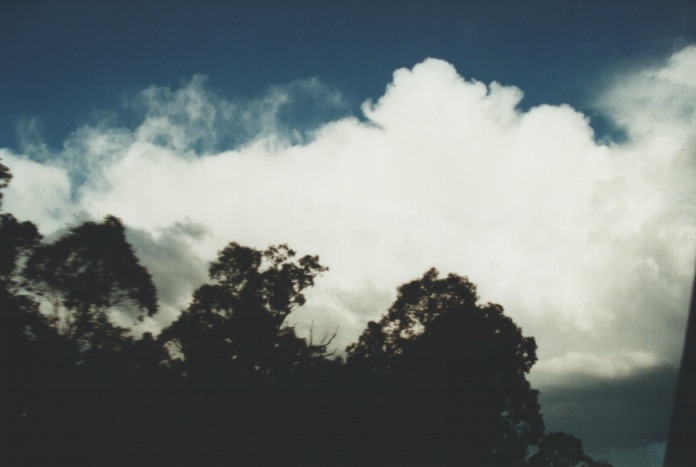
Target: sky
column 544, row 149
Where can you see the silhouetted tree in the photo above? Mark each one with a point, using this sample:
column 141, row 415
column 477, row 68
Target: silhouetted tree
column 86, row 276
column 237, row 356
column 17, row 239
column 21, row 326
column 237, row 323
column 438, row 380
column 29, row 357
column 560, row 449
column 5, row 177
column 451, row 376
column 64, row 373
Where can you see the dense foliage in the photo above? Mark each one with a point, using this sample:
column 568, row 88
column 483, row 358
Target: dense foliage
column 456, row 368
column 439, row 380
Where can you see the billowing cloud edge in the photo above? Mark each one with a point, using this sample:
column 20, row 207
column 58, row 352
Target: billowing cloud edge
column 588, row 246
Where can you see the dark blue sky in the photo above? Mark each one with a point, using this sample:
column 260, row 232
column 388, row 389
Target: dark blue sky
column 62, row 63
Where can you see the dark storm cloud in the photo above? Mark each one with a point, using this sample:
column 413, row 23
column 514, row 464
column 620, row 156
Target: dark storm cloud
column 621, row 412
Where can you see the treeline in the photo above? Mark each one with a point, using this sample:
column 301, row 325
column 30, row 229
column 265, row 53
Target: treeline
column 439, row 380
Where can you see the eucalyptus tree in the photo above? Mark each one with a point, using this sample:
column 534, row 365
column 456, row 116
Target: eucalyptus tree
column 450, row 374
column 237, row 323
column 90, row 279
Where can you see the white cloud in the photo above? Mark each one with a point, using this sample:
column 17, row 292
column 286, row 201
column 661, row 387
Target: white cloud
column 39, row 192
column 589, row 247
column 681, row 68
column 607, row 366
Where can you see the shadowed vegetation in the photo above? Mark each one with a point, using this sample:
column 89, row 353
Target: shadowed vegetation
column 439, row 380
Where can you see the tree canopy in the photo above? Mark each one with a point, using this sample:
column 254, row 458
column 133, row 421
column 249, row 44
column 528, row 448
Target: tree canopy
column 459, row 368
column 561, row 449
column 439, row 379
column 88, row 273
column 237, row 322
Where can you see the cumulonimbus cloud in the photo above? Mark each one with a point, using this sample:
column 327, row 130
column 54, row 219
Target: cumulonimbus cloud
column 589, row 246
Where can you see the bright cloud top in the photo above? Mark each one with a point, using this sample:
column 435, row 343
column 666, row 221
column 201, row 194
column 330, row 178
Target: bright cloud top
column 589, row 247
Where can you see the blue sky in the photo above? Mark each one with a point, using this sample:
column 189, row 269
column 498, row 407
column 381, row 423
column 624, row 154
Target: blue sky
column 543, row 148
column 64, row 61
